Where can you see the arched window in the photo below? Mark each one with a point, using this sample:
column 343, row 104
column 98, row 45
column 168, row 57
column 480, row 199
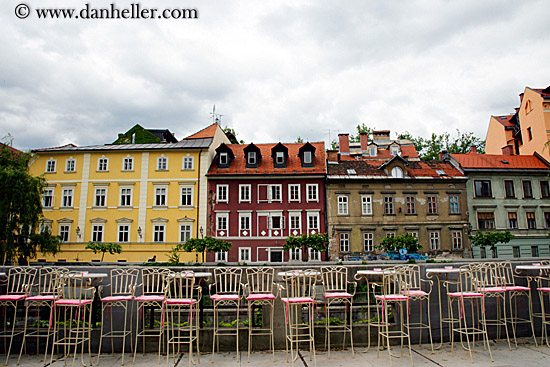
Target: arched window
column 397, row 172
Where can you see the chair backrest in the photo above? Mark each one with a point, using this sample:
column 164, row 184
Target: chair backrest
column 470, row 278
column 180, row 285
column 505, row 272
column 391, row 281
column 75, row 286
column 260, row 280
column 49, row 279
column 227, row 280
column 152, row 280
column 334, row 278
column 123, row 281
column 409, row 278
column 301, row 283
column 21, row 279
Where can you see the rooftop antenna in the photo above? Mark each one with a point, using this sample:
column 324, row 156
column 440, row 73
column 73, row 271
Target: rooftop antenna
column 216, row 117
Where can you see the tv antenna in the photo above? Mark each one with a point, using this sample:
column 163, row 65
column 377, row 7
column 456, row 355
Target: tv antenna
column 216, row 117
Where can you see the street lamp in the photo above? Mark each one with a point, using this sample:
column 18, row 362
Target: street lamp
column 139, row 232
column 77, row 231
column 201, row 231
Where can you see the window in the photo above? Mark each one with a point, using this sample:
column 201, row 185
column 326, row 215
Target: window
column 344, row 242
column 368, row 242
column 275, row 192
column 222, row 193
column 512, row 220
column 244, row 254
column 125, row 196
column 342, row 205
column 547, row 219
column 221, row 256
column 294, row 192
column 308, row 158
column 529, row 133
column 314, row 255
column 390, row 234
column 279, row 157
column 50, row 166
column 453, row 205
column 434, row 240
column 128, row 164
column 394, row 150
column 244, row 222
column 482, row 188
column 100, row 196
column 312, row 194
column 388, row 205
column 123, row 233
column 223, row 159
column 432, row 204
column 185, row 232
column 312, row 222
column 516, row 251
column 410, row 205
column 67, row 199
column 244, row 193
column 103, row 164
column 482, row 252
column 97, row 233
column 413, row 234
column 162, row 163
column 457, row 240
column 397, row 172
column 295, row 223
column 534, row 251
column 188, row 162
column 275, row 222
column 158, row 232
column 70, row 165
column 186, row 196
column 252, row 158
column 531, row 223
column 160, row 196
column 64, row 230
column 47, row 198
column 544, row 189
column 221, row 221
column 509, row 189
column 527, row 190
column 372, row 151
column 366, row 205
column 485, row 220
column 295, row 254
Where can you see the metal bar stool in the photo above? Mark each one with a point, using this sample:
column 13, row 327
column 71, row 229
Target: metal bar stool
column 228, row 291
column 42, row 296
column 335, row 293
column 182, row 297
column 261, row 291
column 300, row 295
column 20, row 281
column 122, row 290
column 543, row 287
column 152, row 297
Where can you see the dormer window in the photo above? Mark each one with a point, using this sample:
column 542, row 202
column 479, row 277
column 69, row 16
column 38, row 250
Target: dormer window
column 397, row 172
column 225, row 156
column 394, row 150
column 307, row 157
column 252, row 155
column 373, row 151
column 223, row 159
column 251, row 160
column 279, row 153
column 280, row 158
column 306, row 154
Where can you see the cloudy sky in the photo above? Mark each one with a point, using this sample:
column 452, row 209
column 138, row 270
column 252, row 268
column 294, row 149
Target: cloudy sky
column 275, row 70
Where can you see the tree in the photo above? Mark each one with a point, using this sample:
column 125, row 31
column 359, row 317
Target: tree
column 21, row 209
column 360, row 128
column 317, row 242
column 112, row 248
column 299, row 140
column 490, row 238
column 232, row 135
column 393, row 244
column 204, row 244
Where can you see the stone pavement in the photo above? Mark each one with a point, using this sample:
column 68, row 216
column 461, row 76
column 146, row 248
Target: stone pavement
column 526, row 355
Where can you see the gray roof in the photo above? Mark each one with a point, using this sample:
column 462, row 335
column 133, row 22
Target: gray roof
column 183, row 144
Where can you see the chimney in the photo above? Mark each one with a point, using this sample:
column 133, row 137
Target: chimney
column 343, row 140
column 442, row 154
column 381, row 135
column 520, row 98
column 508, row 149
column 332, row 156
column 473, row 149
column 364, row 137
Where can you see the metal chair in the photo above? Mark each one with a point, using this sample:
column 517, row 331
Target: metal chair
column 300, row 295
column 227, row 289
column 122, row 290
column 543, row 288
column 182, row 297
column 74, row 308
column 42, row 296
column 152, row 298
column 467, row 290
column 261, row 291
column 411, row 286
column 336, row 293
column 20, row 281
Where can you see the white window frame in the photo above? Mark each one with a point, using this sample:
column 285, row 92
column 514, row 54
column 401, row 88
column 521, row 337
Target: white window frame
column 186, row 232
column 224, row 158
column 51, row 165
column 413, row 234
column 389, row 208
column 373, row 151
column 100, row 197
column 226, row 227
column 280, row 157
column 435, row 240
column 297, row 215
column 308, row 157
column 451, row 205
column 281, row 222
column 310, row 217
column 397, row 172
column 67, row 197
column 159, row 232
column 251, row 158
column 245, row 193
column 277, row 188
column 368, row 242
column 344, row 241
column 394, row 150
column 120, row 231
column 249, row 217
column 98, row 232
column 70, row 165
column 122, row 202
column 161, row 196
column 248, row 257
column 188, row 163
column 432, row 204
column 189, row 194
column 295, row 254
column 221, row 256
column 127, row 164
column 222, row 189
column 103, row 167
column 366, row 204
column 162, row 163
column 343, row 206
column 456, row 237
column 296, row 188
column 390, row 234
column 51, row 192
column 312, row 193
column 314, row 255
column 412, row 203
column 65, row 232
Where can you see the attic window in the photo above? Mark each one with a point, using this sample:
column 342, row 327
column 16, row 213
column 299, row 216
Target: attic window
column 251, row 157
column 505, row 162
column 307, row 157
column 394, row 150
column 397, row 172
column 441, row 172
column 280, row 157
column 372, row 151
column 223, row 159
column 351, row 171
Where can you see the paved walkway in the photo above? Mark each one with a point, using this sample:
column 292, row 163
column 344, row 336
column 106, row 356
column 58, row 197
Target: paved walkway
column 526, row 355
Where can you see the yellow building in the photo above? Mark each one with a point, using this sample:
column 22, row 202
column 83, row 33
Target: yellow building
column 146, row 197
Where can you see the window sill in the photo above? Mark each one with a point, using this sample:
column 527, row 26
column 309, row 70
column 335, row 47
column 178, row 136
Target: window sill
column 49, row 172
column 69, row 171
column 128, row 207
column 100, row 208
column 455, row 213
column 161, row 170
column 411, row 214
column 127, row 170
column 66, row 208
column 102, row 171
column 160, row 207
column 183, row 207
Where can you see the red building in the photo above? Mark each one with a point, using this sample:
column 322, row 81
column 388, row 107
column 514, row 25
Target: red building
column 260, row 194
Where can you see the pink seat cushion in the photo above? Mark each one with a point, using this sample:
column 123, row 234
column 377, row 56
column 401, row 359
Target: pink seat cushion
column 544, row 289
column 298, row 300
column 73, row 302
column 517, row 288
column 225, row 297
column 152, row 298
column 415, row 292
column 260, row 296
column 493, row 289
column 180, row 301
column 48, row 297
column 12, row 297
column 116, row 298
column 465, row 294
column 338, row 295
column 392, row 297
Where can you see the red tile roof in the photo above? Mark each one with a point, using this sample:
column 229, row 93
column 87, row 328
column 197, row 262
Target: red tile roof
column 207, row 132
column 504, row 120
column 415, row 169
column 266, row 167
column 474, row 160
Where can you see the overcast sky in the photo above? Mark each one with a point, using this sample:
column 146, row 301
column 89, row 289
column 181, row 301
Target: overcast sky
column 275, row 70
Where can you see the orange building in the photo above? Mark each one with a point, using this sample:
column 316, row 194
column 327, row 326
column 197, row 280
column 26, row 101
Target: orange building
column 526, row 131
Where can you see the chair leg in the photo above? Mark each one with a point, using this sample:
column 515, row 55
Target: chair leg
column 25, row 333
